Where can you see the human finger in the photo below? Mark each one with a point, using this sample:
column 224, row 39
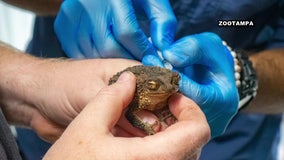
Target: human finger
column 188, row 135
column 68, row 35
column 104, row 111
column 163, row 22
column 127, row 31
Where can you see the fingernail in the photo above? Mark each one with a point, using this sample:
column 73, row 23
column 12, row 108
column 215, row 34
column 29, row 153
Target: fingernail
column 125, row 76
column 149, row 119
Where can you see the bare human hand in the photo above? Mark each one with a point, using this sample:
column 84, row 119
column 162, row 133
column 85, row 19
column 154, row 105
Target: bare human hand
column 51, row 92
column 89, row 134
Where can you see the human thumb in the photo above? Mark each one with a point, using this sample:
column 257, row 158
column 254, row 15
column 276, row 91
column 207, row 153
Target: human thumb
column 103, row 112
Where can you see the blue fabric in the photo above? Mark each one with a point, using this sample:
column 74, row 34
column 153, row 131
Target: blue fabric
column 249, row 136
column 30, row 145
column 199, row 16
column 44, row 42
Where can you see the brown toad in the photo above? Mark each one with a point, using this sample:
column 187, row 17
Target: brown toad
column 154, row 85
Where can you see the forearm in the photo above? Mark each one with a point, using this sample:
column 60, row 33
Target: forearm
column 12, row 65
column 269, row 66
column 37, row 84
column 39, row 7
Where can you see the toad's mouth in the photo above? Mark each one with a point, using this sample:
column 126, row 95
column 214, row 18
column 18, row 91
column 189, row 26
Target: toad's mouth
column 159, row 97
column 161, row 94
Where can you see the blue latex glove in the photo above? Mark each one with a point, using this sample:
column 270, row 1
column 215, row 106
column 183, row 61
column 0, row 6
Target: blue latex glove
column 207, row 76
column 109, row 28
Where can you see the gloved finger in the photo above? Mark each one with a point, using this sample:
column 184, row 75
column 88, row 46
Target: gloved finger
column 109, row 47
column 127, row 31
column 152, row 60
column 183, row 52
column 67, row 35
column 163, row 22
column 84, row 38
column 202, row 94
column 195, row 49
column 102, row 38
column 219, row 92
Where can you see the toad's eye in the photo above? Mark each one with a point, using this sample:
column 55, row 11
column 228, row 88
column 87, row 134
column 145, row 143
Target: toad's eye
column 153, row 85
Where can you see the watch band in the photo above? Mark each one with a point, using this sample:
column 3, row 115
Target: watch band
column 248, row 78
column 245, row 77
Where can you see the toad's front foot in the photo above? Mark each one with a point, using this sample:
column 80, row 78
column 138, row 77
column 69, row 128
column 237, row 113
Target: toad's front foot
column 136, row 121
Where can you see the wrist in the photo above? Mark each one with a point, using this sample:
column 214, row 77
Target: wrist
column 245, row 77
column 13, row 73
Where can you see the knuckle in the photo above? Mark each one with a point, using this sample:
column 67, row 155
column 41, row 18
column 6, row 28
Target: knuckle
column 213, row 37
column 109, row 91
column 172, row 20
column 129, row 33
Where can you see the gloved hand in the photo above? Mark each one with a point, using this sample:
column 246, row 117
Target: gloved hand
column 207, row 76
column 109, row 28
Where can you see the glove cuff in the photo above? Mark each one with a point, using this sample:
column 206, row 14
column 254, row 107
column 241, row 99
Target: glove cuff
column 245, row 77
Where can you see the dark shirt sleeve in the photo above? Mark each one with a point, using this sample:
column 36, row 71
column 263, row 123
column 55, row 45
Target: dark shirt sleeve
column 278, row 36
column 8, row 146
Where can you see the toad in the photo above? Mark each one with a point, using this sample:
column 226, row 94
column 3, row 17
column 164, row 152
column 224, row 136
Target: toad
column 154, row 85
